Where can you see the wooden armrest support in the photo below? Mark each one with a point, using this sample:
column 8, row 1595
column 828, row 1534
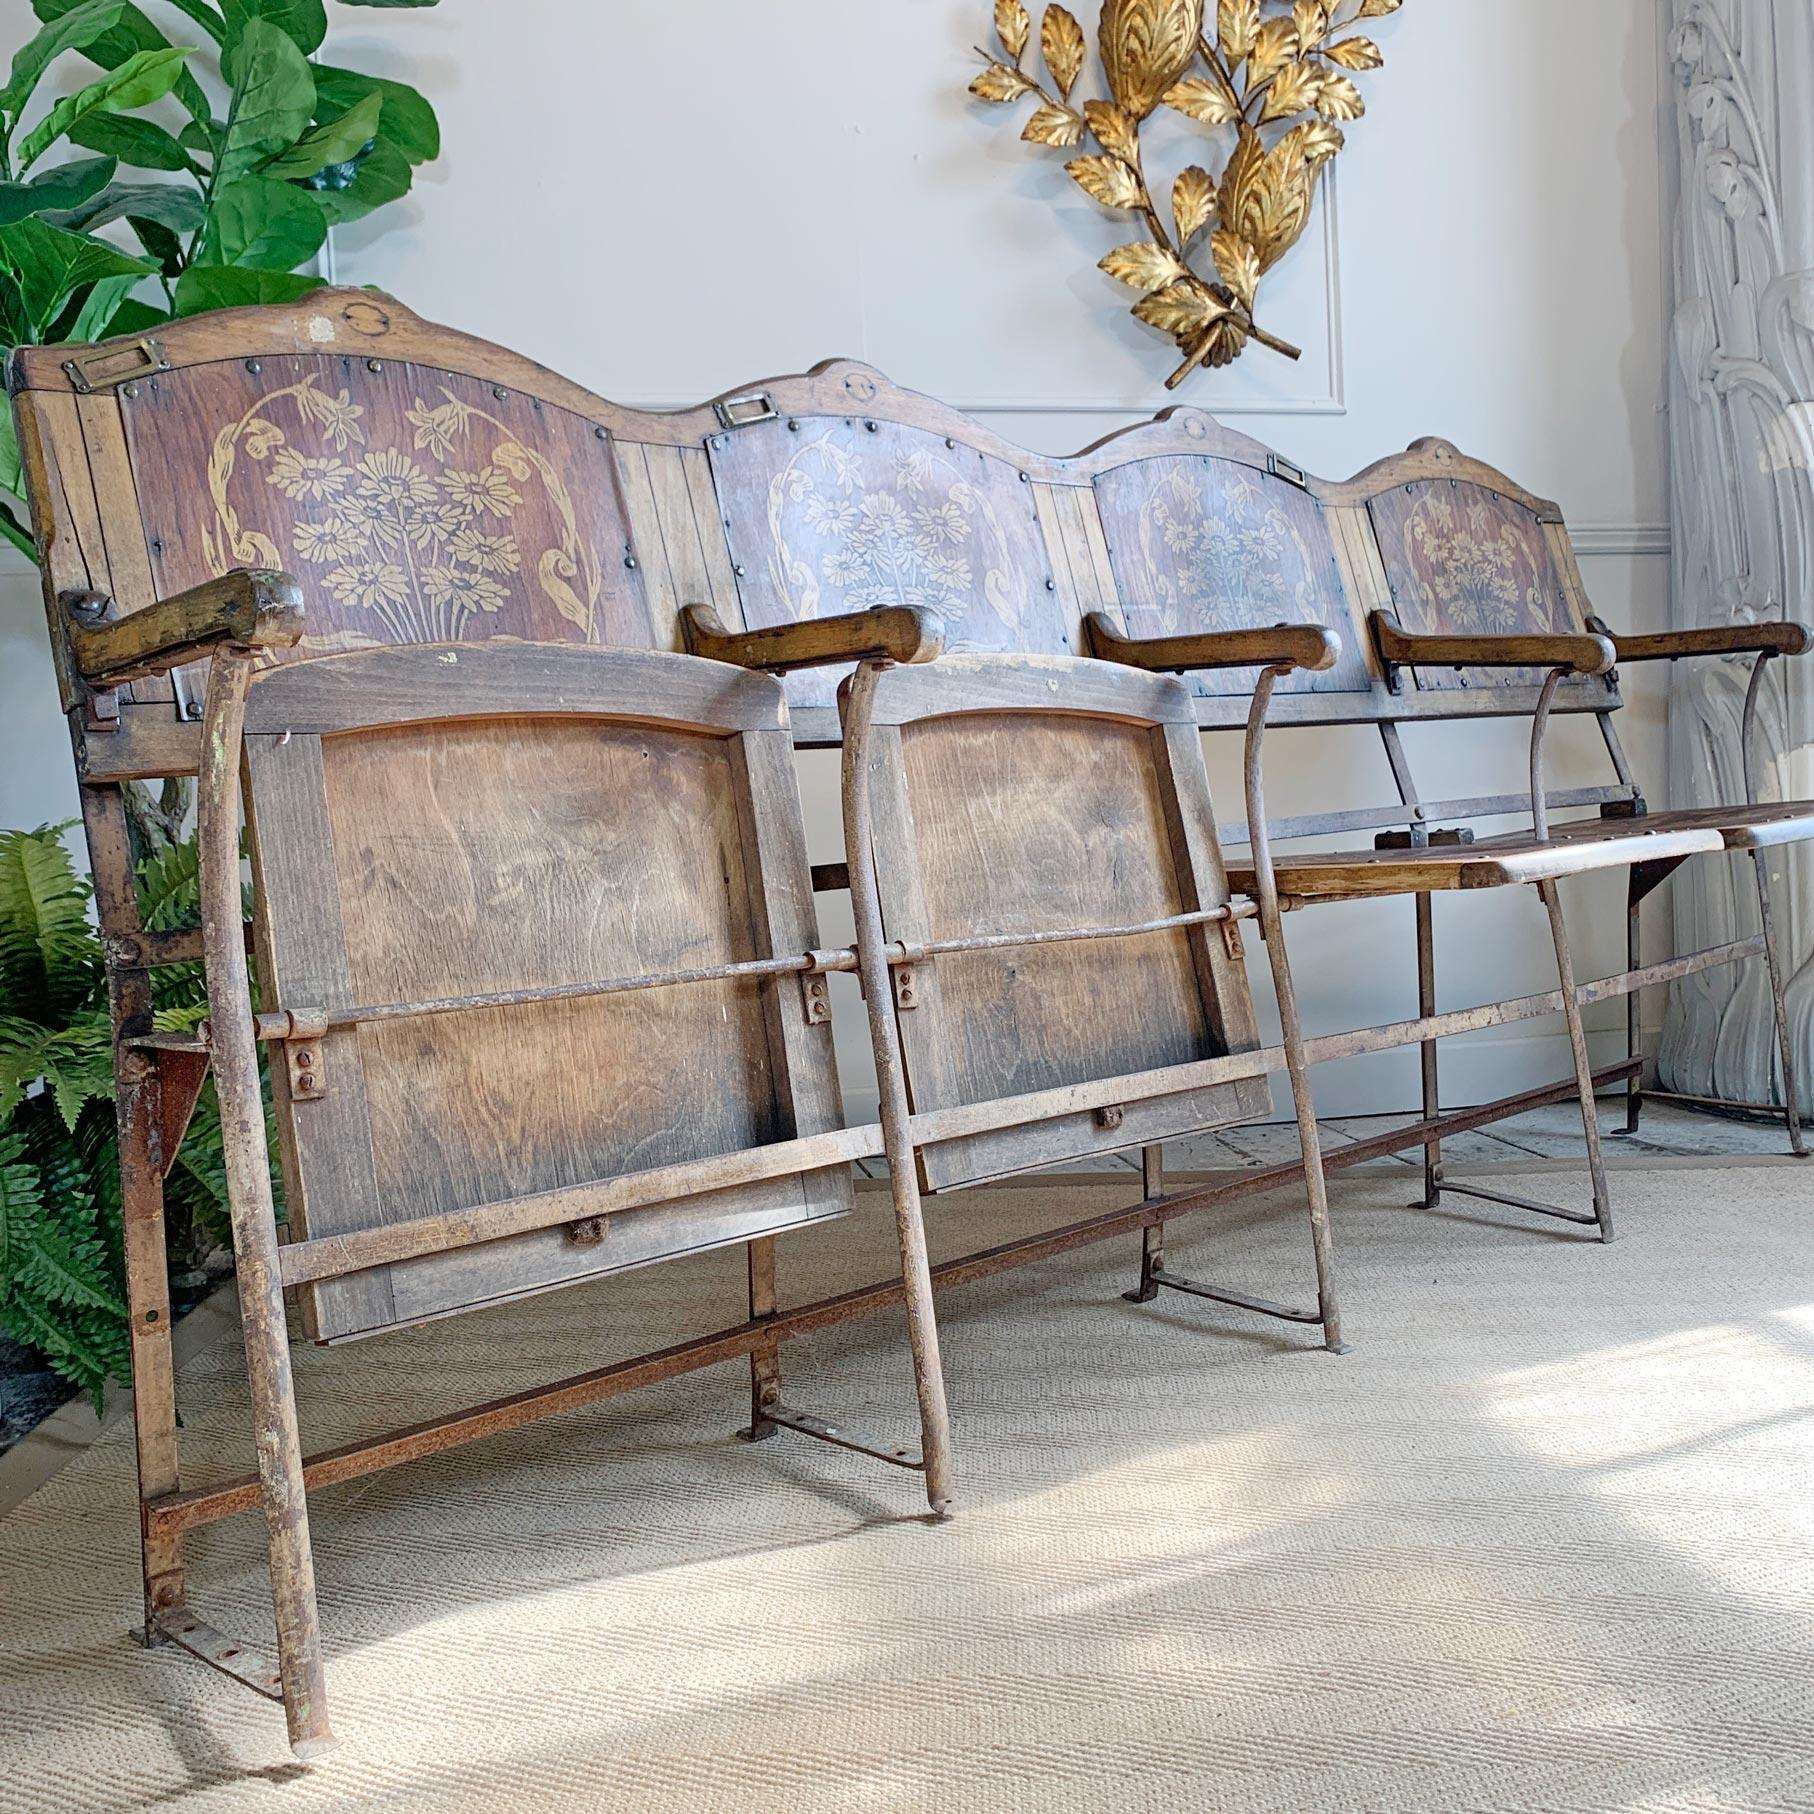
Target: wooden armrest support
column 1578, row 654
column 1284, row 646
column 252, row 606
column 1723, row 639
column 904, row 633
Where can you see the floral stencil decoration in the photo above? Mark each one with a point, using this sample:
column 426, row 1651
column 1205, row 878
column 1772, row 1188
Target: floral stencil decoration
column 420, row 538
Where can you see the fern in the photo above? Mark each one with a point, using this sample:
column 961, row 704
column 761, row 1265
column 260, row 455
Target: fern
column 50, row 959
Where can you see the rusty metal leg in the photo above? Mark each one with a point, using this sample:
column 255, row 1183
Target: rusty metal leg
column 1584, row 1070
column 897, row 1132
column 765, row 1363
column 1426, row 1006
column 1785, row 1037
column 1634, row 1084
column 1297, row 1067
column 275, row 1436
column 1152, row 1240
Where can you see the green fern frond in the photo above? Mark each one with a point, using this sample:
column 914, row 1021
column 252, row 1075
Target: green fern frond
column 170, row 891
column 50, row 954
column 21, row 1207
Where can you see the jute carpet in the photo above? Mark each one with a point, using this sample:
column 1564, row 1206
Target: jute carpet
column 1541, row 1541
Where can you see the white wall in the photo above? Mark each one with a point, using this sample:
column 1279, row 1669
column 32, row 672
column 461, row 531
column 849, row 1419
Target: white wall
column 666, row 201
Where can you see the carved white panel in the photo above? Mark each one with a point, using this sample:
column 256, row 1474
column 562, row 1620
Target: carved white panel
column 1742, row 485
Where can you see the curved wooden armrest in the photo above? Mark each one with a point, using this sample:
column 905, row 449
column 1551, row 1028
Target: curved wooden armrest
column 253, row 606
column 905, row 633
column 1404, row 648
column 1309, row 646
column 1785, row 638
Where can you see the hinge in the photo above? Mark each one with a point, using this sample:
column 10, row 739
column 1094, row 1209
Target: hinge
column 746, row 411
column 815, row 998
column 1231, row 941
column 1445, row 836
column 302, row 1056
column 906, row 987
column 103, row 367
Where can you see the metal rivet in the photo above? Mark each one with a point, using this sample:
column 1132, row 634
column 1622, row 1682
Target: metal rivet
column 1025, row 480
column 793, row 426
column 630, row 562
column 254, row 366
column 498, row 391
column 374, row 365
column 192, row 708
column 130, row 390
column 950, row 441
column 603, row 434
column 738, row 571
column 870, row 426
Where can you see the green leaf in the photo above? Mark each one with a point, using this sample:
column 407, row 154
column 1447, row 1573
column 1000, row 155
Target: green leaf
column 67, row 186
column 145, row 77
column 164, row 248
column 94, row 321
column 132, row 317
column 51, row 265
column 304, row 22
column 382, row 177
column 75, row 27
column 338, row 142
column 408, row 121
column 12, row 475
column 134, row 33
column 21, row 1206
column 273, row 98
column 261, row 221
column 205, row 16
column 140, row 143
column 204, row 287
column 50, row 955
column 174, row 205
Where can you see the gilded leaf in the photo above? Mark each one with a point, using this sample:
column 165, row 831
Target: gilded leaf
column 1238, row 265
column 1377, row 9
column 999, row 83
column 1146, row 46
column 1338, row 99
column 1143, row 266
column 1238, row 24
column 1273, row 48
column 1108, row 179
column 1114, row 131
column 1012, row 26
column 1239, row 179
column 1053, row 125
column 1296, row 87
column 1061, row 40
column 1311, row 18
column 1193, row 202
column 1313, row 142
column 1355, row 53
column 1182, row 310
column 1278, row 203
column 1203, row 100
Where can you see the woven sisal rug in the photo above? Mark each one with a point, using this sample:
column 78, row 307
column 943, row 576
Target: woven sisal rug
column 1543, row 1540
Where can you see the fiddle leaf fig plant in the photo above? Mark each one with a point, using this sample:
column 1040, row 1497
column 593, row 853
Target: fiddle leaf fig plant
column 197, row 167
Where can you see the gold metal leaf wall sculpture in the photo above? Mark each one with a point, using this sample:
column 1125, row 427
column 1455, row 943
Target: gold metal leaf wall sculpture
column 1276, row 75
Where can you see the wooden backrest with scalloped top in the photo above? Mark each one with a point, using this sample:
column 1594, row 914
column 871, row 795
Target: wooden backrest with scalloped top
column 427, row 486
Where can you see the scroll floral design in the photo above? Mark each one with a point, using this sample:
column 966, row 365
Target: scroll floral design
column 918, row 539
column 421, row 538
column 1275, row 71
column 1482, row 570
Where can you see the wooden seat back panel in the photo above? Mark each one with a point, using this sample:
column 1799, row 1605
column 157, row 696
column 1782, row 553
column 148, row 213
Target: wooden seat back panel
column 1202, row 543
column 415, row 504
column 506, row 848
column 1036, row 796
column 828, row 514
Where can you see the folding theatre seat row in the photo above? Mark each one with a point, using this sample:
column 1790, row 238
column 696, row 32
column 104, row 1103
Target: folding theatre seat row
column 539, row 968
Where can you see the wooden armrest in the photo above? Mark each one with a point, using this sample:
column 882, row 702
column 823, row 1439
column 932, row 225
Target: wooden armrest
column 252, row 606
column 1578, row 654
column 1284, row 646
column 905, row 633
column 1723, row 639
